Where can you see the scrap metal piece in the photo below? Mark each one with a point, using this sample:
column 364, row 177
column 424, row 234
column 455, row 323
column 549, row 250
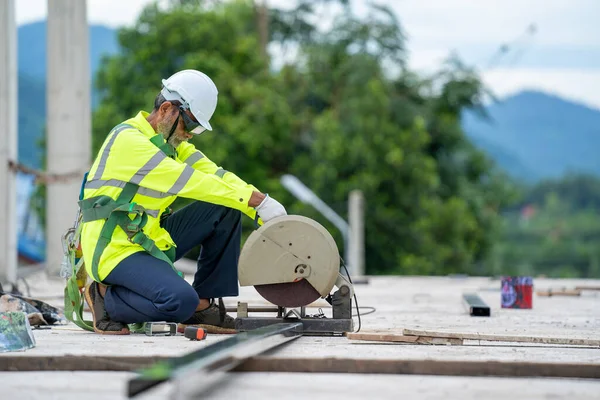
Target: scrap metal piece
column 477, row 307
column 160, row 329
column 287, row 250
column 196, row 371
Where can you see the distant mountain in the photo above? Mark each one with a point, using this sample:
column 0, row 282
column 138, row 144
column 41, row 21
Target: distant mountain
column 532, row 135
column 32, row 47
column 32, row 82
column 506, row 160
column 535, row 135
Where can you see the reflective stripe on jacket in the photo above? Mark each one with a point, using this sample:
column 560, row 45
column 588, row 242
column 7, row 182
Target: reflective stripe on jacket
column 127, row 155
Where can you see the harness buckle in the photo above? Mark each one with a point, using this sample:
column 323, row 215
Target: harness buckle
column 131, row 210
column 133, row 228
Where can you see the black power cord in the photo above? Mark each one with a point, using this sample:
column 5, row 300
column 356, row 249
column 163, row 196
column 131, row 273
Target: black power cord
column 354, row 295
column 371, row 310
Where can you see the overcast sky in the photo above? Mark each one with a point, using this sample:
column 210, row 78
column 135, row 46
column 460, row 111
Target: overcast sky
column 561, row 57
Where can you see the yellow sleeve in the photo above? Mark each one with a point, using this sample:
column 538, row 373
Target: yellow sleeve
column 193, row 157
column 143, row 163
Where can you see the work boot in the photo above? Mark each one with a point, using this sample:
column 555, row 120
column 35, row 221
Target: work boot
column 213, row 319
column 102, row 322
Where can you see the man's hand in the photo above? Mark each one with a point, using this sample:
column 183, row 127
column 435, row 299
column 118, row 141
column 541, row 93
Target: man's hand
column 270, row 208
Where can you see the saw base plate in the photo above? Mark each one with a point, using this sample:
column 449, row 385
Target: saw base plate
column 315, row 326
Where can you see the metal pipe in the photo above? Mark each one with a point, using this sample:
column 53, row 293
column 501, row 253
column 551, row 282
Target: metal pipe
column 197, row 371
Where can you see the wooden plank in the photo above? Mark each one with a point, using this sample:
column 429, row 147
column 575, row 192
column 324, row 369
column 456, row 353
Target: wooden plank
column 75, row 363
column 558, row 292
column 587, row 287
column 381, row 337
column 420, row 367
column 393, row 337
column 504, row 338
column 325, row 365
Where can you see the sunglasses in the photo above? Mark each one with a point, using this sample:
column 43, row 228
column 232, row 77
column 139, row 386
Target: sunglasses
column 191, row 126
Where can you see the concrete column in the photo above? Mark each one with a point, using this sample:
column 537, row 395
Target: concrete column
column 356, row 221
column 8, row 142
column 69, row 118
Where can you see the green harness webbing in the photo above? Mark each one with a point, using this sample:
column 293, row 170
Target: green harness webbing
column 77, row 280
column 116, row 213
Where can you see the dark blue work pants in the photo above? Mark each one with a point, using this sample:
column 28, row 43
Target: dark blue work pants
column 144, row 288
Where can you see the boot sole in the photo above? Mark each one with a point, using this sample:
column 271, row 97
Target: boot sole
column 88, row 299
column 209, row 329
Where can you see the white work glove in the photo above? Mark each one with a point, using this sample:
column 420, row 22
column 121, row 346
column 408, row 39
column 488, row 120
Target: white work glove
column 270, row 208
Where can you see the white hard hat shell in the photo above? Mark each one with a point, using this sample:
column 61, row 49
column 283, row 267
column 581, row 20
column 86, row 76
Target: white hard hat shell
column 196, row 91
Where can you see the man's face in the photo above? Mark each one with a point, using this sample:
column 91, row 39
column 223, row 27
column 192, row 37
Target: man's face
column 169, row 113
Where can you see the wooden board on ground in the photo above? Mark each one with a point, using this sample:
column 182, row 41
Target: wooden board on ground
column 504, row 338
column 419, row 367
column 392, row 337
column 558, row 292
column 587, row 287
column 321, row 365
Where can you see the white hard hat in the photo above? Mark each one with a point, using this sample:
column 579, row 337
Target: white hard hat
column 195, row 91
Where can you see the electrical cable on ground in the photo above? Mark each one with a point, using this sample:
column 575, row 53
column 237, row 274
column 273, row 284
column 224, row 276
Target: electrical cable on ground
column 371, row 310
column 354, row 294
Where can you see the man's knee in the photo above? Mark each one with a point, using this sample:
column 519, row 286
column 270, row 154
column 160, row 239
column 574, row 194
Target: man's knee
column 179, row 304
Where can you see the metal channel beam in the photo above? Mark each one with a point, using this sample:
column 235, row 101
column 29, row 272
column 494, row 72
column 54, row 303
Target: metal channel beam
column 475, row 305
column 197, row 371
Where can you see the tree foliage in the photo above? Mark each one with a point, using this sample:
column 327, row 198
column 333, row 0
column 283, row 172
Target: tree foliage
column 344, row 114
column 553, row 230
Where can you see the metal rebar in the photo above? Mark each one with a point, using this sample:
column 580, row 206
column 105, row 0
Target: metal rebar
column 197, row 371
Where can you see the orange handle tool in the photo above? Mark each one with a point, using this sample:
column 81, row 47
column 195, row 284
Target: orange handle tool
column 194, row 333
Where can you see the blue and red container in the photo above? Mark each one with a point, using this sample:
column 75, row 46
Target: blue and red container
column 517, row 292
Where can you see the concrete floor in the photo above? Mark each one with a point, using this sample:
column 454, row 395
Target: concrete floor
column 402, row 302
column 103, row 385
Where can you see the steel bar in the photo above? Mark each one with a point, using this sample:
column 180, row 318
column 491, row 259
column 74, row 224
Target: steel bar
column 476, row 306
column 202, row 368
column 256, row 309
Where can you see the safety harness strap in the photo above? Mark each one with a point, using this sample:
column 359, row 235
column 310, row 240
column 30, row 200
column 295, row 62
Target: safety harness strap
column 115, row 213
column 165, row 147
column 75, row 283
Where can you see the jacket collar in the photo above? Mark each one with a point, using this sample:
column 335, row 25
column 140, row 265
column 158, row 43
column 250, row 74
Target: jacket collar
column 141, row 123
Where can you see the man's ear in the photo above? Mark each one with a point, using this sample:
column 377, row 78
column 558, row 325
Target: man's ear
column 165, row 109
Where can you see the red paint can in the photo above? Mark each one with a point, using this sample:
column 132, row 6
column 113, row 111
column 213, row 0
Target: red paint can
column 517, row 292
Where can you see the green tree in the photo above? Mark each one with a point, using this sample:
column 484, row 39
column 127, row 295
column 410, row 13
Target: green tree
column 433, row 199
column 344, row 114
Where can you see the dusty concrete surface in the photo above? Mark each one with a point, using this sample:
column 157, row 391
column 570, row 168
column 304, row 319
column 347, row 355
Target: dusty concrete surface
column 401, row 302
column 103, row 385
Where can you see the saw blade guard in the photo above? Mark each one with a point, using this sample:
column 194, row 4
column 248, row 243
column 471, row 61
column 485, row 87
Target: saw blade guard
column 288, row 249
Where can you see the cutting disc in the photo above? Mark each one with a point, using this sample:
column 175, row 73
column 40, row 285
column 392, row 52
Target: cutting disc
column 291, row 294
column 291, row 261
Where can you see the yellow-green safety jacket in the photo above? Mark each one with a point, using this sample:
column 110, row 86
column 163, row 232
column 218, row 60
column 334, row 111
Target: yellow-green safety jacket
column 129, row 159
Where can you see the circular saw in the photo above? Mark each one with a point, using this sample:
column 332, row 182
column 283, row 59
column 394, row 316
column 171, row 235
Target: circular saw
column 291, row 261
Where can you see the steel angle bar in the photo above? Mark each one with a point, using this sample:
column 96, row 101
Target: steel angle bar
column 198, row 370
